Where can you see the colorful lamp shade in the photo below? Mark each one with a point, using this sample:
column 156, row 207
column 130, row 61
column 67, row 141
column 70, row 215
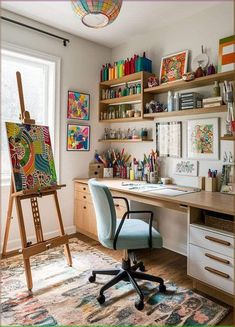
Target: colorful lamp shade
column 97, row 13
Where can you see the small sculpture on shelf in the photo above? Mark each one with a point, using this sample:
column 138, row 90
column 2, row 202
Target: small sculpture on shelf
column 153, row 81
column 155, row 106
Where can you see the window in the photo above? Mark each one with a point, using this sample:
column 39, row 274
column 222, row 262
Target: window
column 39, row 86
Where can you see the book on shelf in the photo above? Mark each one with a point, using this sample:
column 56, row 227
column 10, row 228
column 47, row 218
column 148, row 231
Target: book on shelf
column 212, row 100
column 211, row 105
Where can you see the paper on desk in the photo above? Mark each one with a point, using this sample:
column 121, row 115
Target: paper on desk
column 169, row 192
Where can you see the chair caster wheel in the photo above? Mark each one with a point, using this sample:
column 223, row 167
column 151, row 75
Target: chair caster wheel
column 162, row 288
column 101, row 298
column 142, row 268
column 92, row 279
column 139, row 305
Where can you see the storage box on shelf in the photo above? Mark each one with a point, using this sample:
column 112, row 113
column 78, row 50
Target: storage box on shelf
column 120, row 103
column 182, row 85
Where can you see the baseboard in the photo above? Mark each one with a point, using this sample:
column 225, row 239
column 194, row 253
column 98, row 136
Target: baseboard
column 175, row 247
column 16, row 244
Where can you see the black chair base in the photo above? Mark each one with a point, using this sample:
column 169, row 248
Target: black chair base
column 127, row 273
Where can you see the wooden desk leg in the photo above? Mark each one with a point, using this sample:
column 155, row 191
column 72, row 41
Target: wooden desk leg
column 66, row 246
column 8, row 220
column 24, row 243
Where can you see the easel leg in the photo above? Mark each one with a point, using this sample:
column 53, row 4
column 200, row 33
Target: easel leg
column 24, row 243
column 66, row 246
column 8, row 220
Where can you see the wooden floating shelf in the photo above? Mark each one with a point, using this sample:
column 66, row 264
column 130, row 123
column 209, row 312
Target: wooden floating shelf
column 124, row 120
column 187, row 112
column 125, row 140
column 125, row 99
column 124, row 79
column 198, row 82
column 227, row 138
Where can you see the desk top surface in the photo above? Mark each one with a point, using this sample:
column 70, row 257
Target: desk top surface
column 214, row 201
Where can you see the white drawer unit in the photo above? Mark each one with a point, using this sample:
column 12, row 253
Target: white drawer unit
column 212, row 268
column 216, row 241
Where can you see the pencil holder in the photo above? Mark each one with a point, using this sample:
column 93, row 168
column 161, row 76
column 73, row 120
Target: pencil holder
column 210, row 184
column 153, row 177
column 108, row 172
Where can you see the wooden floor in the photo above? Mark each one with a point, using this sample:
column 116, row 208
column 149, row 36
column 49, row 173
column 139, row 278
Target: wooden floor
column 161, row 262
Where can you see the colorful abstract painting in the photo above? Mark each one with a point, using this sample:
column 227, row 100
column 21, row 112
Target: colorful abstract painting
column 78, row 105
column 226, row 58
column 173, row 66
column 203, row 139
column 78, row 138
column 31, row 156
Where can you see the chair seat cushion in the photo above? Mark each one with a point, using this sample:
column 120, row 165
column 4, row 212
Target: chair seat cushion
column 134, row 234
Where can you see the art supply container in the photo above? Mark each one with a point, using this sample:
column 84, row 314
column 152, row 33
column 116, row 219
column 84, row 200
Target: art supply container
column 108, row 172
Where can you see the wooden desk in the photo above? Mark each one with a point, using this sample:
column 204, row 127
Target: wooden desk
column 210, row 251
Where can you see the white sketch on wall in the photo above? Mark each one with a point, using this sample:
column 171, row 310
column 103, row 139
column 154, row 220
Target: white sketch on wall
column 186, row 167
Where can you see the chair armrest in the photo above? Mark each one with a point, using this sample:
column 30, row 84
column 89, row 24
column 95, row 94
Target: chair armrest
column 124, row 199
column 122, row 222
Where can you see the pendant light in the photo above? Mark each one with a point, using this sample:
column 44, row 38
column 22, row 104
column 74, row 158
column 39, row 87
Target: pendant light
column 97, row 13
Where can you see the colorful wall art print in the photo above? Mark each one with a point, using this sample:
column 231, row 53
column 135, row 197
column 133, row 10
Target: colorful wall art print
column 186, row 167
column 78, row 105
column 226, row 57
column 173, row 66
column 78, row 138
column 203, row 139
column 31, row 156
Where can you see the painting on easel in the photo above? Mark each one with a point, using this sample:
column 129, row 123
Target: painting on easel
column 31, row 156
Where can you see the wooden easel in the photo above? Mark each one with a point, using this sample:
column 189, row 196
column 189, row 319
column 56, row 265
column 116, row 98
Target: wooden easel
column 41, row 245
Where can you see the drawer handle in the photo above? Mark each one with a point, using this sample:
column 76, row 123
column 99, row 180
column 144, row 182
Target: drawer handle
column 116, row 205
column 84, row 189
column 84, row 197
column 84, row 207
column 217, row 258
column 217, row 272
column 217, row 240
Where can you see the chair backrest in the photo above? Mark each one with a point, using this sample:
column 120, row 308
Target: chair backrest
column 104, row 210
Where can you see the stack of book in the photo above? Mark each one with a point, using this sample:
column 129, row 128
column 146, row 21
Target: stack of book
column 212, row 102
column 190, row 100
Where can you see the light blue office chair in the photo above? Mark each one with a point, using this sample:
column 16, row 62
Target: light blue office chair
column 126, row 234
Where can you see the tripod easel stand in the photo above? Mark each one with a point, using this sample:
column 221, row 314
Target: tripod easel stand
column 41, row 245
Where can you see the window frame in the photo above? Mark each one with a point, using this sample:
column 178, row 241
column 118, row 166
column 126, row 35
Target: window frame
column 55, row 84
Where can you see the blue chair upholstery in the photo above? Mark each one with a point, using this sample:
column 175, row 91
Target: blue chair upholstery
column 127, row 234
column 134, row 233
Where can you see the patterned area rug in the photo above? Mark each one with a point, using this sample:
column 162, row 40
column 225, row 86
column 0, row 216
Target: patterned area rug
column 63, row 296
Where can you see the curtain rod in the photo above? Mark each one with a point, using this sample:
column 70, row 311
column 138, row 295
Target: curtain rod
column 65, row 41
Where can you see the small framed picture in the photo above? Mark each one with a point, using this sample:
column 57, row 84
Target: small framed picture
column 78, row 105
column 186, row 167
column 173, row 66
column 78, row 137
column 203, row 139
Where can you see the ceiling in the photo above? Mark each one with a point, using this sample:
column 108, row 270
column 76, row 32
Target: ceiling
column 136, row 17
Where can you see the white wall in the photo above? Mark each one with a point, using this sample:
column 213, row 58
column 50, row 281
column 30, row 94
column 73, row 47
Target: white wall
column 80, row 65
column 204, row 29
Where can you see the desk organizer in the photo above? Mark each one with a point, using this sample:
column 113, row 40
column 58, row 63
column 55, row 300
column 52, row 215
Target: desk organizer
column 96, row 170
column 210, row 184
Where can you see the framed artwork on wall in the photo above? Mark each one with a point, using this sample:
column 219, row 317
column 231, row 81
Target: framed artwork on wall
column 226, row 58
column 78, row 137
column 78, row 105
column 173, row 66
column 203, row 139
column 169, row 139
column 186, row 167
